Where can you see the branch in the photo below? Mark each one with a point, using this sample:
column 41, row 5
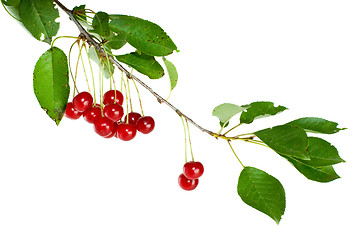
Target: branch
column 99, row 48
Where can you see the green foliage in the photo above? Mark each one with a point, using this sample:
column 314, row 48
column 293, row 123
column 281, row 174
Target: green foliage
column 322, row 153
column 226, row 111
column 315, row 173
column 287, row 140
column 147, row 37
column 38, row 16
column 106, row 67
column 262, row 191
column 260, row 110
column 13, row 7
column 51, row 83
column 172, row 72
column 116, row 41
column 316, row 125
column 100, row 24
column 143, row 63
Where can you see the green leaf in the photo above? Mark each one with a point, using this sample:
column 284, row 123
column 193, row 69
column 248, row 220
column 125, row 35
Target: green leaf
column 117, row 41
column 79, row 12
column 147, row 37
column 260, row 110
column 316, row 125
column 106, row 67
column 100, row 24
column 263, row 192
column 38, row 16
column 13, row 7
column 322, row 153
column 143, row 63
column 226, row 111
column 315, row 173
column 286, row 139
column 51, row 83
column 172, row 72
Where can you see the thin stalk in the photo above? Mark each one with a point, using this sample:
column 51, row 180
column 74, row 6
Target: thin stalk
column 189, row 140
column 139, row 97
column 83, row 67
column 72, row 75
column 232, row 129
column 93, row 78
column 185, row 139
column 235, row 154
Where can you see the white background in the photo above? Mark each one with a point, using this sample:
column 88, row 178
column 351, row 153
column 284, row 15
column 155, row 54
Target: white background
column 68, row 183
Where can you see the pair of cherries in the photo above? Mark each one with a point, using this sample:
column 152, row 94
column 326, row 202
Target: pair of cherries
column 107, row 121
column 188, row 180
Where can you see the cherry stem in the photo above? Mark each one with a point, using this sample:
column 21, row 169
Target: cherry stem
column 83, row 67
column 72, row 75
column 139, row 97
column 93, row 77
column 235, row 154
column 185, row 139
column 189, row 140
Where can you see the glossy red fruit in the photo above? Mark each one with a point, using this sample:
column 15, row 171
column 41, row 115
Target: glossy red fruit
column 92, row 114
column 114, row 133
column 145, row 124
column 126, row 132
column 82, row 101
column 71, row 112
column 104, row 127
column 132, row 118
column 113, row 112
column 193, row 170
column 187, row 184
column 113, row 96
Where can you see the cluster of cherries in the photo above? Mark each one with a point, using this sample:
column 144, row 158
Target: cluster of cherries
column 188, row 180
column 108, row 120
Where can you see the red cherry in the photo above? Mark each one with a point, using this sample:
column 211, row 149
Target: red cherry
column 132, row 118
column 104, row 127
column 193, row 170
column 92, row 114
column 126, row 132
column 114, row 133
column 187, row 184
column 113, row 96
column 71, row 112
column 145, row 124
column 113, row 112
column 82, row 101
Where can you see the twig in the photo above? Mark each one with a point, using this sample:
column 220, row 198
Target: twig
column 160, row 99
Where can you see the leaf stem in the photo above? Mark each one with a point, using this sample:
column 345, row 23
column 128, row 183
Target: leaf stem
column 235, row 154
column 232, row 128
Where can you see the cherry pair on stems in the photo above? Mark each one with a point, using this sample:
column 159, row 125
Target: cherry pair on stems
column 107, row 122
column 188, row 180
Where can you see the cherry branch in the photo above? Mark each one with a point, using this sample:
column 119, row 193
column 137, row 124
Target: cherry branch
column 129, row 75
